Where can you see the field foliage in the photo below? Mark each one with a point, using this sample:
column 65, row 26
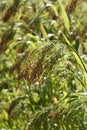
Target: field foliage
column 43, row 65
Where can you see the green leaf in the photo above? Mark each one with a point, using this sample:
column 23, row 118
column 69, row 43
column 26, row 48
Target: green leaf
column 64, row 16
column 5, row 114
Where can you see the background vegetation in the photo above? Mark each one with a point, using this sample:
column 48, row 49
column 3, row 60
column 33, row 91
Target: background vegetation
column 43, row 65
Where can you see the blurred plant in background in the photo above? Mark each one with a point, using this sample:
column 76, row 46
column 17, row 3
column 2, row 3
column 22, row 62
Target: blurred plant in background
column 43, row 65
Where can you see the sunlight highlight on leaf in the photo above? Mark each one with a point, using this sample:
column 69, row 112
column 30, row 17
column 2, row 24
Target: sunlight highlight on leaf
column 43, row 31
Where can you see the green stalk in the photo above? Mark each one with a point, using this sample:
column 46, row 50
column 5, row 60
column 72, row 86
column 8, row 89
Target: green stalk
column 76, row 55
